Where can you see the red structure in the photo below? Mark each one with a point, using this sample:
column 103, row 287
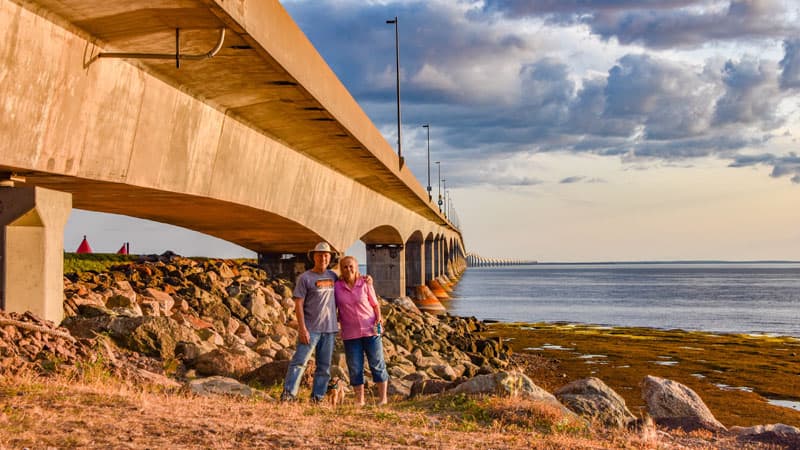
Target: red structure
column 125, row 249
column 84, row 247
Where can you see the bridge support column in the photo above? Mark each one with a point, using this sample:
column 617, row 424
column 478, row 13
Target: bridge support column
column 415, row 265
column 429, row 259
column 439, row 257
column 282, row 265
column 32, row 250
column 386, row 263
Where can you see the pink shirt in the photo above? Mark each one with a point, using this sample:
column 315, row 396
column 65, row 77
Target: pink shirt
column 356, row 313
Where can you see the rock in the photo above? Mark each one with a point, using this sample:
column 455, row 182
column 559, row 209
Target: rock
column 592, row 398
column 399, row 387
column 273, row 373
column 226, row 362
column 445, row 372
column 510, row 384
column 775, row 434
column 219, row 385
column 121, row 301
column 407, row 304
column 92, row 310
column 164, row 300
column 153, row 336
column 427, row 387
column 255, row 302
column 189, row 351
column 674, row 405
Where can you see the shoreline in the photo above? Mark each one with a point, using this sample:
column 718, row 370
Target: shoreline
column 735, row 374
column 566, row 323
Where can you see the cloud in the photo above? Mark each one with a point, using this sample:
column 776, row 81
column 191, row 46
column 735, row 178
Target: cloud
column 751, row 94
column 570, row 180
column 495, row 82
column 662, row 24
column 790, row 64
column 782, row 166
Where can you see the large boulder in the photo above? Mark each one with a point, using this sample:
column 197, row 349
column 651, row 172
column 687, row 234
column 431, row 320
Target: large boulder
column 234, row 362
column 219, row 385
column 776, row 434
column 273, row 373
column 511, row 384
column 429, row 386
column 398, row 387
column 674, row 405
column 592, row 398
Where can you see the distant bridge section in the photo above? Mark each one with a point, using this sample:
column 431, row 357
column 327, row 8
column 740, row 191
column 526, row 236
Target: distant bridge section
column 260, row 145
column 475, row 260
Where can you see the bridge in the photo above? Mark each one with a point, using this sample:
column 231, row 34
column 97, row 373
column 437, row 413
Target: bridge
column 214, row 115
column 475, row 260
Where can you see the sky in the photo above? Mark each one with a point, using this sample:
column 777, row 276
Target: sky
column 578, row 130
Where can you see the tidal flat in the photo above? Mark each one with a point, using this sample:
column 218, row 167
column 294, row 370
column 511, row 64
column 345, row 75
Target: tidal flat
column 737, row 375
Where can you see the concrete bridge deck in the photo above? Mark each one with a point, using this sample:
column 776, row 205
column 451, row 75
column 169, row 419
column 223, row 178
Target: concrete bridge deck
column 260, row 145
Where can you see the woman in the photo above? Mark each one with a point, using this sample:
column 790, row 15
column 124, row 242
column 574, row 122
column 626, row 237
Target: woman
column 359, row 316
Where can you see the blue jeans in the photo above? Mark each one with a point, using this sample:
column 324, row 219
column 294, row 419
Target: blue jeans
column 323, row 344
column 354, row 350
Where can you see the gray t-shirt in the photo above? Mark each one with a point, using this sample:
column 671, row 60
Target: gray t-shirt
column 319, row 305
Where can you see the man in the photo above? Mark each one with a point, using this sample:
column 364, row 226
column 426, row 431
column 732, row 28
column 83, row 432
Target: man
column 315, row 309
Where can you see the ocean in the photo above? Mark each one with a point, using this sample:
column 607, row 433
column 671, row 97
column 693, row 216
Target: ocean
column 760, row 298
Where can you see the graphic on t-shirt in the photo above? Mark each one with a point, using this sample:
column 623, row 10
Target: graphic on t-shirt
column 324, row 283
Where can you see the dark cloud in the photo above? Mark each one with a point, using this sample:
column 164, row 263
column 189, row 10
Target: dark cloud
column 492, row 94
column 782, row 166
column 576, row 7
column 660, row 24
column 751, row 94
column 790, row 64
column 581, row 179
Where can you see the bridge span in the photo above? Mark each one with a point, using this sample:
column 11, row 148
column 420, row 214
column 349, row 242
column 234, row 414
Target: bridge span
column 260, row 145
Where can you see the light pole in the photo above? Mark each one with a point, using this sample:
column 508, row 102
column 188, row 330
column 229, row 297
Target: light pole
column 444, row 183
column 449, row 206
column 427, row 126
column 397, row 67
column 439, row 169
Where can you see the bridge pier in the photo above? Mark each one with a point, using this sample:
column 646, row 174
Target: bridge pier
column 429, row 259
column 386, row 263
column 282, row 265
column 32, row 250
column 415, row 264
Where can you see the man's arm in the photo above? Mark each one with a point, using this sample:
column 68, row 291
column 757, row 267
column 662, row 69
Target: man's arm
column 302, row 332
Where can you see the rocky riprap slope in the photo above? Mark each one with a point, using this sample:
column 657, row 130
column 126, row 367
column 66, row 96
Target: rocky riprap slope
column 180, row 322
column 201, row 318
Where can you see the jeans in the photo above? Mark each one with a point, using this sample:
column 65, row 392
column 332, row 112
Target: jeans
column 323, row 344
column 354, row 350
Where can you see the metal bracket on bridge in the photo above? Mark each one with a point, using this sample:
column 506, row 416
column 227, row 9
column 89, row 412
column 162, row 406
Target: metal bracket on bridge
column 177, row 56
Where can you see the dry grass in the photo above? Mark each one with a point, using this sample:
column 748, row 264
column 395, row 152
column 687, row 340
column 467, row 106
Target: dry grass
column 62, row 413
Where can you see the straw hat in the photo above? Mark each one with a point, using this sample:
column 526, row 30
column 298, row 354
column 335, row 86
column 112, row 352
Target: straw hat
column 322, row 247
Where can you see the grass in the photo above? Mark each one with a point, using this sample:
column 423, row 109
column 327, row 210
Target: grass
column 98, row 262
column 59, row 412
column 768, row 365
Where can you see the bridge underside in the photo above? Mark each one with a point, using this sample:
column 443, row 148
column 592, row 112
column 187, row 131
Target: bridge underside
column 252, row 228
column 261, row 145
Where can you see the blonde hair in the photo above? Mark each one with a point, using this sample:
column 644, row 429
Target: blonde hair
column 356, row 274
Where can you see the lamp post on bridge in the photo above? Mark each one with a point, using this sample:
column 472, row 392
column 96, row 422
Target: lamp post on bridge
column 427, row 126
column 397, row 70
column 439, row 169
column 444, row 183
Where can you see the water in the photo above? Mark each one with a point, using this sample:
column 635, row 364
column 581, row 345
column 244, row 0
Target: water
column 727, row 298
